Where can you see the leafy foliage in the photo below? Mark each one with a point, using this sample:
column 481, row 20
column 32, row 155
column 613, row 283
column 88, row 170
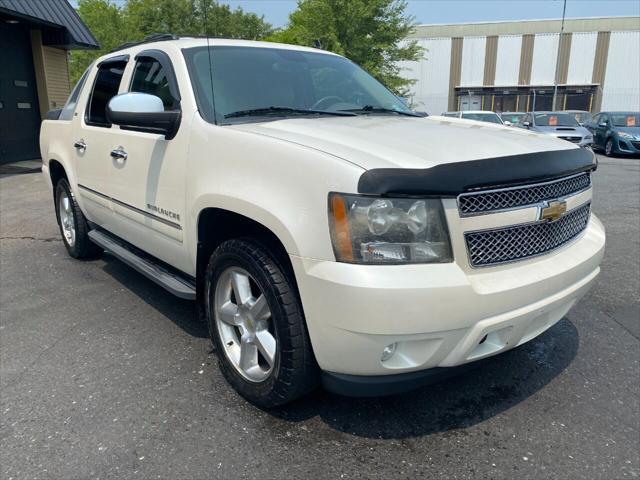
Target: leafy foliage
column 372, row 33
column 113, row 26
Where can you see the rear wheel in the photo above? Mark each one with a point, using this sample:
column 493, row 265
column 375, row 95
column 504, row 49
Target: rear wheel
column 256, row 324
column 73, row 225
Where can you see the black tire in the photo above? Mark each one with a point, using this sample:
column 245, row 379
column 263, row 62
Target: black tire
column 608, row 147
column 81, row 247
column 295, row 372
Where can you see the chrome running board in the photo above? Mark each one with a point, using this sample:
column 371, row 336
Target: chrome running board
column 178, row 285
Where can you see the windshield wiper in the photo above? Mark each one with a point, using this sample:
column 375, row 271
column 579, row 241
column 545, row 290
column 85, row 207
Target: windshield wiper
column 254, row 112
column 374, row 109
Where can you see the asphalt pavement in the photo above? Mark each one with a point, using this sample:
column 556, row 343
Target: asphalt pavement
column 105, row 375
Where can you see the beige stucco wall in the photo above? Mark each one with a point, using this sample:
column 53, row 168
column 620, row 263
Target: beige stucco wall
column 52, row 74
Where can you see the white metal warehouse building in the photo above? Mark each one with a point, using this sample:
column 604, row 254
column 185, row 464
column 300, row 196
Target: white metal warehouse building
column 510, row 66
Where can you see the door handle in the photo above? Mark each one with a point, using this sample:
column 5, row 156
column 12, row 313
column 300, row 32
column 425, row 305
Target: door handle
column 80, row 145
column 119, row 153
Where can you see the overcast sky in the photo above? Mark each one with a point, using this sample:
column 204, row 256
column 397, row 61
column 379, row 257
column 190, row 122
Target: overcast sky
column 276, row 12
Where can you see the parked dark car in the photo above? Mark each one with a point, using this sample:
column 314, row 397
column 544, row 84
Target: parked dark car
column 616, row 132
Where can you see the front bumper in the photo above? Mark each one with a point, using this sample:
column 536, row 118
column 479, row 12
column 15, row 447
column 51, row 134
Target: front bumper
column 438, row 315
column 627, row 146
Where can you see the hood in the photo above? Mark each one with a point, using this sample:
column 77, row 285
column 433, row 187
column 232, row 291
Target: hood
column 635, row 131
column 376, row 141
column 564, row 131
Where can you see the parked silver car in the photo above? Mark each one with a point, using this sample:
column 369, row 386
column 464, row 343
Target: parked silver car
column 477, row 115
column 559, row 124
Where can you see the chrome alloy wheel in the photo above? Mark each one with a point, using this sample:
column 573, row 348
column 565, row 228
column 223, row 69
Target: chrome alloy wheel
column 244, row 323
column 67, row 220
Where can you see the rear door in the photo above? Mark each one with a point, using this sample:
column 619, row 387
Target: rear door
column 148, row 187
column 94, row 138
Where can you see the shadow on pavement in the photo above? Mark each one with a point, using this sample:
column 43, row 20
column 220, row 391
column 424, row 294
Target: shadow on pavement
column 181, row 312
column 498, row 383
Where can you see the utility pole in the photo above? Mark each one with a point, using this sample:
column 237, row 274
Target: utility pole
column 555, row 78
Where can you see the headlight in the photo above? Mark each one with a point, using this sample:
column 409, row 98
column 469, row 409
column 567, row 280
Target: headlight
column 377, row 230
column 588, row 137
column 625, row 135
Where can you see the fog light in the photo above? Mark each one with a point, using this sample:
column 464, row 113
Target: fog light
column 388, row 352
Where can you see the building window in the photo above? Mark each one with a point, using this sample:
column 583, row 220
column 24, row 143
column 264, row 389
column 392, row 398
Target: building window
column 578, row 101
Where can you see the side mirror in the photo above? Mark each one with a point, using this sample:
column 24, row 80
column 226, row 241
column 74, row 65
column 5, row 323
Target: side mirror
column 143, row 113
column 508, row 123
column 603, row 124
column 526, row 124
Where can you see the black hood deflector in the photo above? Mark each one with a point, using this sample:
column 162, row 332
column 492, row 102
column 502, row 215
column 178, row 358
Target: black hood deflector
column 451, row 179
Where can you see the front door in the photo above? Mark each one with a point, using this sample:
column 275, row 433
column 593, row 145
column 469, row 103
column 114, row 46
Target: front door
column 602, row 127
column 19, row 110
column 146, row 185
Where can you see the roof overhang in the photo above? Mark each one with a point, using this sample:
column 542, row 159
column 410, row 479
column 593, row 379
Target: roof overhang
column 60, row 24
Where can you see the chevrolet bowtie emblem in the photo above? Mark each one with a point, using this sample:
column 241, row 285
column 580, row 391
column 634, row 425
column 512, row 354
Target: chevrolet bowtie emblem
column 553, row 210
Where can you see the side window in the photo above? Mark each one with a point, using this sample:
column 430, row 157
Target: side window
column 70, row 106
column 105, row 87
column 151, row 77
column 596, row 120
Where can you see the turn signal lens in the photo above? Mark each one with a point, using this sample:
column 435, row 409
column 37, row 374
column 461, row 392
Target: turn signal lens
column 340, row 228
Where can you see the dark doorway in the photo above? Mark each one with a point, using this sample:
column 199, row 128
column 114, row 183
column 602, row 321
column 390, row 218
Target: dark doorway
column 19, row 110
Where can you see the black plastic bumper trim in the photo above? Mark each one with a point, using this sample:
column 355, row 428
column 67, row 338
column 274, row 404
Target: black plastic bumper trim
column 451, row 179
column 383, row 385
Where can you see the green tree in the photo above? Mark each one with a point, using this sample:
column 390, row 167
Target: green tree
column 136, row 19
column 372, row 33
column 105, row 21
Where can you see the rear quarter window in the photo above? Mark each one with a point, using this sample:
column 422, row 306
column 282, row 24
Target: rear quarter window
column 70, row 107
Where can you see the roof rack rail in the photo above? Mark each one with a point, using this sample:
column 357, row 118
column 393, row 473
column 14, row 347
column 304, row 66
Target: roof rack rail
column 156, row 37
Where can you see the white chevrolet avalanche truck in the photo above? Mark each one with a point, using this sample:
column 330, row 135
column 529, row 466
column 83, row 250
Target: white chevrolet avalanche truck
column 328, row 233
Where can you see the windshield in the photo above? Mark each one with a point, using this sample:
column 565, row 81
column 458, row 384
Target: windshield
column 482, row 117
column 255, row 78
column 582, row 117
column 555, row 120
column 625, row 119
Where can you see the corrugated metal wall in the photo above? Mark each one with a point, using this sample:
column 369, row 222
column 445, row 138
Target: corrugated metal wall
column 545, row 51
column 473, row 52
column 57, row 76
column 431, row 91
column 508, row 60
column 583, row 52
column 587, row 57
column 621, row 89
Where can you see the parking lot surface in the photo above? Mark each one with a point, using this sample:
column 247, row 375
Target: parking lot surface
column 105, row 375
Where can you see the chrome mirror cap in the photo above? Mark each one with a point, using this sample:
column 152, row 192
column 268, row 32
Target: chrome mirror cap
column 134, row 102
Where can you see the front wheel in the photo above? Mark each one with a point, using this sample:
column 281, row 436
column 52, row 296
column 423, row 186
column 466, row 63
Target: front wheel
column 608, row 148
column 257, row 326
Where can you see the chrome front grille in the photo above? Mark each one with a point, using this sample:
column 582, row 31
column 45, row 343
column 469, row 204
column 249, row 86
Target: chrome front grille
column 508, row 244
column 474, row 203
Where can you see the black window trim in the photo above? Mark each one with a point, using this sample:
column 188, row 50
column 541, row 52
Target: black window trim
column 114, row 59
column 165, row 62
